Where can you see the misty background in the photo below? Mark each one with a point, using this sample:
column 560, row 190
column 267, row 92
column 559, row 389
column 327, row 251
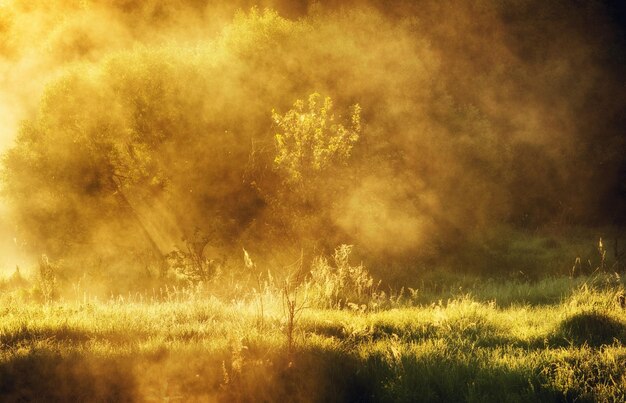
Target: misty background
column 130, row 129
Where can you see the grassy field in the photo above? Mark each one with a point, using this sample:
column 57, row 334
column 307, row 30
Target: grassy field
column 560, row 339
column 312, row 200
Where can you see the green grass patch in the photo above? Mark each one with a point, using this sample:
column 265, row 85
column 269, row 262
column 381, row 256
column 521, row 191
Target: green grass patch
column 511, row 347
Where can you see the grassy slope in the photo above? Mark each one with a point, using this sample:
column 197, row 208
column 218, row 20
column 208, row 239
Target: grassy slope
column 463, row 349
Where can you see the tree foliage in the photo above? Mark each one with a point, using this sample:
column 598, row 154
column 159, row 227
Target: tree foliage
column 310, row 140
column 132, row 150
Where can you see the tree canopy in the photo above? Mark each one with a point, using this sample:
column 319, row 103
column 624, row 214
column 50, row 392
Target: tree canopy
column 423, row 140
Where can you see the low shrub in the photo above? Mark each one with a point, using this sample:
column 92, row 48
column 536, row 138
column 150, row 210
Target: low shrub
column 340, row 284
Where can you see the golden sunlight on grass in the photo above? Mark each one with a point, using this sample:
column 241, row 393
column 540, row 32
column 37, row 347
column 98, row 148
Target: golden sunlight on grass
column 183, row 343
column 297, row 200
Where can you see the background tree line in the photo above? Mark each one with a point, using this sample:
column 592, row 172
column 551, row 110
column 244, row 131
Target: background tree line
column 451, row 126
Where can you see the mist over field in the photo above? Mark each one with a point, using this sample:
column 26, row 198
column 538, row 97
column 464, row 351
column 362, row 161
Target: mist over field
column 275, row 200
column 132, row 128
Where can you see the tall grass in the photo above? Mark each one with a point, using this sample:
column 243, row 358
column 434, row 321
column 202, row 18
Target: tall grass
column 558, row 339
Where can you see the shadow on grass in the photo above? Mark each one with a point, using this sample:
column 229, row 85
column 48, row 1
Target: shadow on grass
column 349, row 371
column 315, row 374
column 319, row 375
column 474, row 328
column 591, row 328
column 66, row 335
column 43, row 376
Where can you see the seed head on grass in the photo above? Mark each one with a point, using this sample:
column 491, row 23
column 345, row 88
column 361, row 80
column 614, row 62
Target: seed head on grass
column 246, row 258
